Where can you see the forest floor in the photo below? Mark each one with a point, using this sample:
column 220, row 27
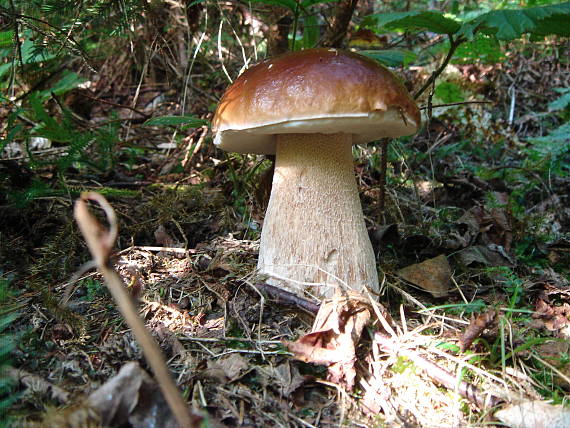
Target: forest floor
column 466, row 188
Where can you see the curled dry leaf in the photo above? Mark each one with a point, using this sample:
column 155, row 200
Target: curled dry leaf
column 335, row 335
column 131, row 396
column 433, row 275
column 552, row 317
column 484, row 226
column 476, row 328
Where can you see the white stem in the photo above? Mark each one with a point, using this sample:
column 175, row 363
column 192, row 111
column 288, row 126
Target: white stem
column 314, row 231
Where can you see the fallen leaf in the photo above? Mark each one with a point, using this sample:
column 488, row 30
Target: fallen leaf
column 553, row 317
column 534, row 414
column 481, row 225
column 232, row 366
column 285, row 377
column 335, row 335
column 482, row 255
column 476, row 328
column 433, row 275
column 131, row 396
column 382, row 235
column 162, row 237
column 553, row 351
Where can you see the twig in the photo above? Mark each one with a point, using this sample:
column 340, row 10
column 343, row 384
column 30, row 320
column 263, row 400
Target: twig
column 465, row 389
column 100, row 100
column 100, row 242
column 435, row 372
column 164, row 249
column 454, row 44
column 382, row 178
column 285, row 297
column 455, row 104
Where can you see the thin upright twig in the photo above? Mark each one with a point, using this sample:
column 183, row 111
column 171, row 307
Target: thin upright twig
column 382, row 177
column 100, row 243
column 454, row 44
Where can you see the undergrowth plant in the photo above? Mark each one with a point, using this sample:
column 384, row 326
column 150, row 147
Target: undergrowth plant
column 511, row 340
column 8, row 314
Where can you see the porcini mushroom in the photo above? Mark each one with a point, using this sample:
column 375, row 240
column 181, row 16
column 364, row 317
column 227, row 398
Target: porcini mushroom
column 309, row 108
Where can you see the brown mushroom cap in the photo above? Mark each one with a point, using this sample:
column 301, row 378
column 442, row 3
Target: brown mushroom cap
column 313, row 91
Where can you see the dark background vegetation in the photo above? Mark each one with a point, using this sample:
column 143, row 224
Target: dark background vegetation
column 117, row 97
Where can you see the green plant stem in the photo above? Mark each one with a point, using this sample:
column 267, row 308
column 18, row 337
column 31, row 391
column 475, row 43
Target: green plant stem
column 295, row 24
column 454, row 44
column 382, row 178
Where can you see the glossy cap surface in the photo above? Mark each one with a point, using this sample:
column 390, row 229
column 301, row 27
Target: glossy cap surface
column 313, row 91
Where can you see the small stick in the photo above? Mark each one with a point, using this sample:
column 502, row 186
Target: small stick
column 287, row 298
column 455, row 104
column 382, row 178
column 100, row 243
column 436, row 373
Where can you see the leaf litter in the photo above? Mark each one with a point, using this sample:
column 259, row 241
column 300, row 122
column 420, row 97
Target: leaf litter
column 229, row 343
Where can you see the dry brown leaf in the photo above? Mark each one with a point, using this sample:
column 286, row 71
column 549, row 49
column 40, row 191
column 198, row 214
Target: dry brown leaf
column 485, row 226
column 433, row 275
column 552, row 317
column 534, row 414
column 131, row 398
column 553, row 350
column 489, row 226
column 334, row 336
column 476, row 328
column 229, row 367
column 483, row 255
column 285, row 377
column 37, row 385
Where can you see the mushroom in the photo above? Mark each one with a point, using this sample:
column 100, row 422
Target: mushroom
column 309, row 108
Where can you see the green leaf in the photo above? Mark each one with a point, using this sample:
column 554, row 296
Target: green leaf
column 189, row 121
column 391, row 57
column 477, row 305
column 311, row 31
column 509, row 24
column 449, row 92
column 48, row 127
column 6, row 39
column 483, row 49
column 558, row 135
column 289, row 4
column 505, row 24
column 561, row 102
column 7, row 319
column 432, row 21
column 68, row 81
